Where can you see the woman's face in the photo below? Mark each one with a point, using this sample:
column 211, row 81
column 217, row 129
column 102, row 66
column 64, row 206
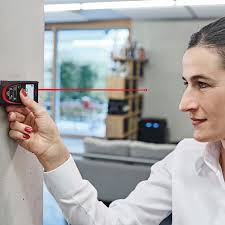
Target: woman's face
column 204, row 96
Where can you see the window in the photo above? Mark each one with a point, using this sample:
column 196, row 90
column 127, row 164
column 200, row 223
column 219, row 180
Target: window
column 82, row 61
column 48, row 62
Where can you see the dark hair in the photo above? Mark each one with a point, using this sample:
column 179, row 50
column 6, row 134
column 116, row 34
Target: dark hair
column 211, row 36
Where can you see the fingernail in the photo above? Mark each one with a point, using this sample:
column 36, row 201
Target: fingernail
column 26, row 136
column 28, row 129
column 24, row 92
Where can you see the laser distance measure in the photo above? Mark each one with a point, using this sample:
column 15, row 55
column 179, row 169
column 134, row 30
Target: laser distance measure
column 10, row 91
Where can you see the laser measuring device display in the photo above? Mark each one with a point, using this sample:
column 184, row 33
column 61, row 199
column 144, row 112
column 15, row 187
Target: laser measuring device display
column 10, row 91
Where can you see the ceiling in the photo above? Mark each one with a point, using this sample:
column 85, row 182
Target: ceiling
column 181, row 12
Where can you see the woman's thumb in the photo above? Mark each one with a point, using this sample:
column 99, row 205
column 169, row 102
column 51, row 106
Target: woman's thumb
column 35, row 108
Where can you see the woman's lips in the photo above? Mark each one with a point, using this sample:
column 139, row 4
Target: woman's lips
column 197, row 121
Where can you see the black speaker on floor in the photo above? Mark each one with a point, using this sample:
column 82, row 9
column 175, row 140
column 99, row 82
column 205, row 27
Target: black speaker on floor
column 153, row 130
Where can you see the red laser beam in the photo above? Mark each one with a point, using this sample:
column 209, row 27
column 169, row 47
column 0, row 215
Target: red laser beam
column 95, row 89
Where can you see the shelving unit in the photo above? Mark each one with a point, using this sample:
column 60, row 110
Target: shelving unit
column 136, row 67
column 125, row 126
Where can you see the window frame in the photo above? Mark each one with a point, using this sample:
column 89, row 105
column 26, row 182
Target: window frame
column 55, row 27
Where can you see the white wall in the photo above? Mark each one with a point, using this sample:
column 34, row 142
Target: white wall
column 165, row 43
column 21, row 58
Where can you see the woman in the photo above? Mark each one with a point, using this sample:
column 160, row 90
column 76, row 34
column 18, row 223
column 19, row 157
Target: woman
column 189, row 182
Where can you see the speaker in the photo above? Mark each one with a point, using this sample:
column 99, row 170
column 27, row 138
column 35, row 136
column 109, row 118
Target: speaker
column 153, row 130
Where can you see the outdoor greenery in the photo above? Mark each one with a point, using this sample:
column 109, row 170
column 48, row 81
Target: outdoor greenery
column 76, row 76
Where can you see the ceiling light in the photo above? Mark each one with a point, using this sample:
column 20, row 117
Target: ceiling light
column 61, row 7
column 126, row 4
column 199, row 2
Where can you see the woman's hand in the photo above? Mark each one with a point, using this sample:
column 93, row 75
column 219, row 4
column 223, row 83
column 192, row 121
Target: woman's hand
column 34, row 130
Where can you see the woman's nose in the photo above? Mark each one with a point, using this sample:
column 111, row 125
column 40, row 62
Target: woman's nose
column 188, row 102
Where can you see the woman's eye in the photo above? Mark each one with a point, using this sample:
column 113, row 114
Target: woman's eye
column 202, row 84
column 185, row 83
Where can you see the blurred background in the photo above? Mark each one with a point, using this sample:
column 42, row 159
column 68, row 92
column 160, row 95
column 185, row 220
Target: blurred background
column 118, row 44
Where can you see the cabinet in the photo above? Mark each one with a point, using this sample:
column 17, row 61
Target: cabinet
column 123, row 124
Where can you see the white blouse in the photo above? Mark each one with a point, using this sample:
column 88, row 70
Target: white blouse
column 188, row 182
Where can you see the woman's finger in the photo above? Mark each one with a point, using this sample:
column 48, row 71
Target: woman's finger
column 18, row 136
column 33, row 106
column 19, row 109
column 15, row 116
column 20, row 127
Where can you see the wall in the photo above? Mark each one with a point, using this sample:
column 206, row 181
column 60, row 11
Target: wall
column 165, row 42
column 21, row 58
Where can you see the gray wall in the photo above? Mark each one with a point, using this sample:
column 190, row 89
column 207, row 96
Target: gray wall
column 165, row 43
column 21, row 58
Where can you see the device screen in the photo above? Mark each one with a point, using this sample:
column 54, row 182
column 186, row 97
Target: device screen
column 30, row 90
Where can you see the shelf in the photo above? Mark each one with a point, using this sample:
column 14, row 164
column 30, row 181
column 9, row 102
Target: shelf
column 125, row 59
column 123, row 116
column 121, row 83
column 125, row 126
column 120, row 126
column 122, row 97
column 132, row 131
column 129, row 77
column 135, row 67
